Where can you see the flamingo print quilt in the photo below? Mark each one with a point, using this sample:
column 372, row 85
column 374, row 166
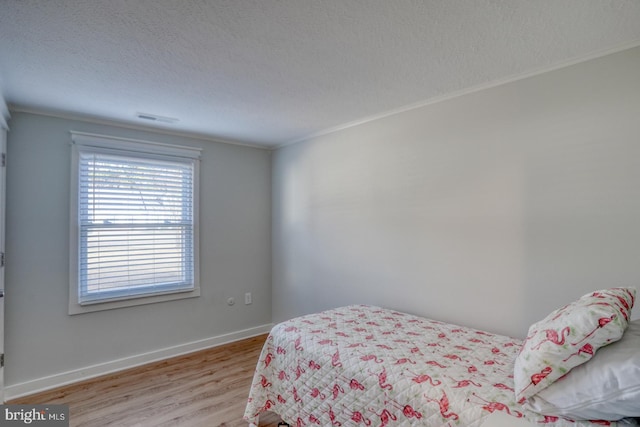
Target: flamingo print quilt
column 368, row 366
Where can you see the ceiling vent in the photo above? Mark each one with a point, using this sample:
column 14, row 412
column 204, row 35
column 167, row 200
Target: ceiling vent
column 155, row 118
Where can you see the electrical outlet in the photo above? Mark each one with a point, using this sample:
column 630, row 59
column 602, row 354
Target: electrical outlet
column 247, row 298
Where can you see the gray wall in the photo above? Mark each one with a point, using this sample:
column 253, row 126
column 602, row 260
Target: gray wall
column 489, row 209
column 42, row 339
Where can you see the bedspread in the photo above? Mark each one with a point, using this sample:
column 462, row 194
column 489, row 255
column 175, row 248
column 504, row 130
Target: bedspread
column 363, row 365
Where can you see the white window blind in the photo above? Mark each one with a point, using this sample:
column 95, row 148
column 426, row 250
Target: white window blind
column 136, row 220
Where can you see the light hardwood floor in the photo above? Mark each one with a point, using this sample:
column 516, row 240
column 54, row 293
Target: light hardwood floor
column 202, row 389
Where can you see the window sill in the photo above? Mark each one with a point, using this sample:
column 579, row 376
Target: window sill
column 75, row 308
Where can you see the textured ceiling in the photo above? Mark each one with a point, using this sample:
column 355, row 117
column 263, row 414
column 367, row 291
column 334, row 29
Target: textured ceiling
column 269, row 72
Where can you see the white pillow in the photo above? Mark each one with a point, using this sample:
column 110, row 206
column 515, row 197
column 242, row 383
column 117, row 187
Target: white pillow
column 605, row 388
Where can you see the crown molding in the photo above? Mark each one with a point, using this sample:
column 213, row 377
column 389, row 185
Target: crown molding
column 462, row 92
column 108, row 122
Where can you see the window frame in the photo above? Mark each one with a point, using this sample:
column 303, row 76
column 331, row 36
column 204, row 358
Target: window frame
column 86, row 142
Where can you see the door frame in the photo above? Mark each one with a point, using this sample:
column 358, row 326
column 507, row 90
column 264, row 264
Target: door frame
column 3, row 186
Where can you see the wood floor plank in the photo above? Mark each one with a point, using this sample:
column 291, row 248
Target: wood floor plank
column 201, row 389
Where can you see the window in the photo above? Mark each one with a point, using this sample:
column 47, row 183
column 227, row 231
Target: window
column 134, row 223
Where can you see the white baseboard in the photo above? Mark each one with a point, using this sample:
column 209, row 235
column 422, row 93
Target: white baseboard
column 46, row 383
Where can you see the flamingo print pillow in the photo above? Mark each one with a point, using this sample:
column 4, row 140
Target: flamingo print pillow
column 569, row 337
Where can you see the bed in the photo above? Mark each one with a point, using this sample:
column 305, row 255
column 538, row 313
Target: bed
column 370, row 366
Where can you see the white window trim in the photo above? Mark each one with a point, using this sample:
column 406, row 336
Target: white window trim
column 110, row 144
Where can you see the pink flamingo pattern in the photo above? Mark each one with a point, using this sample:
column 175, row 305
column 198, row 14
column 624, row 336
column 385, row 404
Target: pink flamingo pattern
column 392, row 369
column 497, row 406
column 420, row 378
column 443, row 404
column 464, row 383
column 553, row 337
column 602, row 322
column 539, row 376
column 586, row 349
